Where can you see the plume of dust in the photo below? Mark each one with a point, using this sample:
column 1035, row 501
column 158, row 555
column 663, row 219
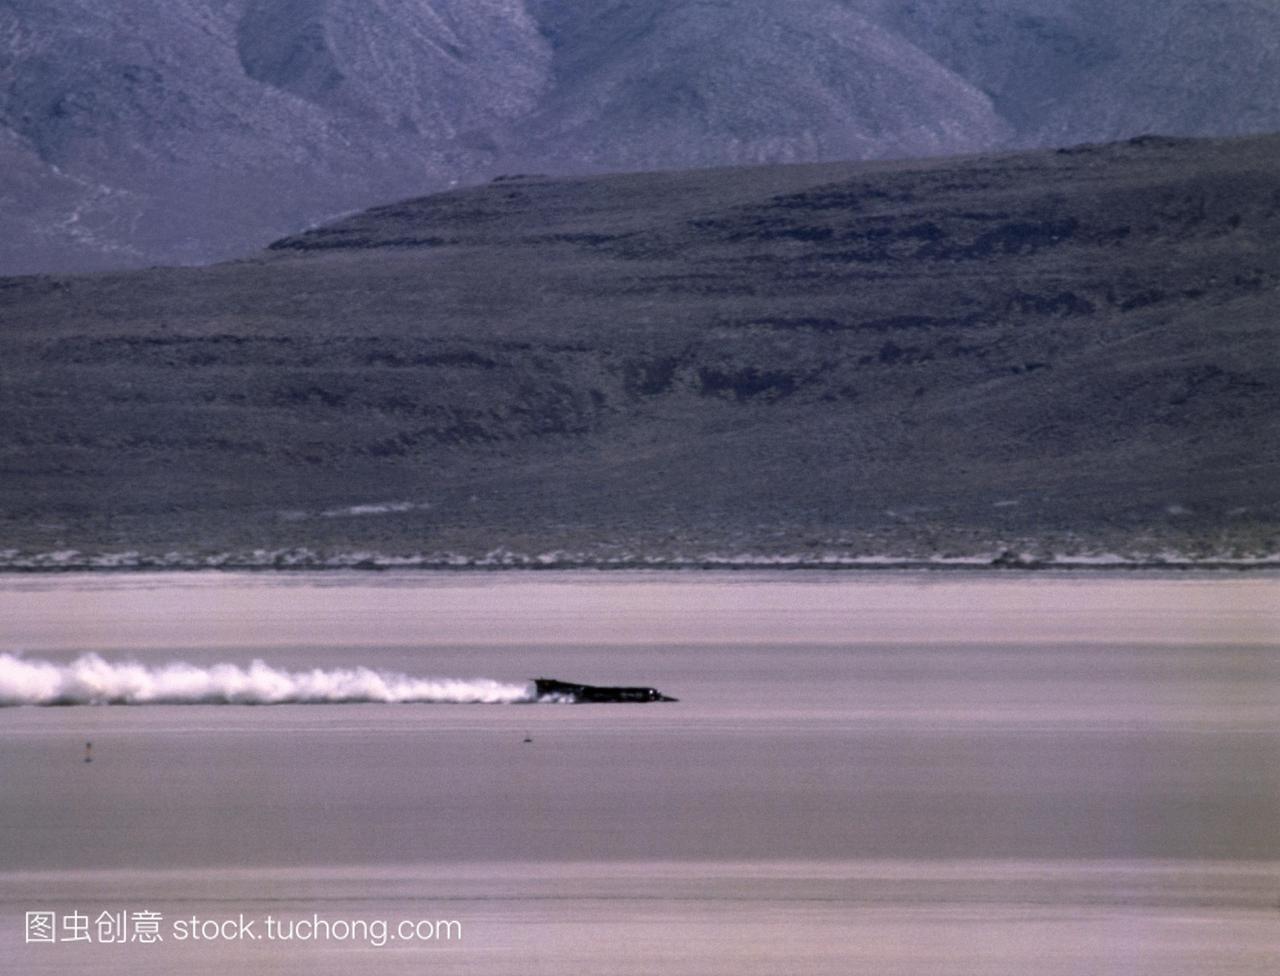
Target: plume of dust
column 91, row 680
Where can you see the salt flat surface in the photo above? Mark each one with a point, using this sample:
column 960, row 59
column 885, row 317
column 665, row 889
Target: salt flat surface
column 895, row 774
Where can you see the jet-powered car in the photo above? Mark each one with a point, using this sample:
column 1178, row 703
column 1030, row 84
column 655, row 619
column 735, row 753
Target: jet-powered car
column 550, row 687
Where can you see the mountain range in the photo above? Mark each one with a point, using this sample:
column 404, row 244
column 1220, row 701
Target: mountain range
column 143, row 132
column 1019, row 356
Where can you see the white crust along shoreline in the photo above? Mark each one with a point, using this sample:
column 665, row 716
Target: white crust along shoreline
column 72, row 560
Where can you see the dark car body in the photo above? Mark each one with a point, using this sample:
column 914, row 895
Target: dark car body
column 548, row 687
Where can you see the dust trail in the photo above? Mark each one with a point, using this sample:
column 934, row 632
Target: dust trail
column 91, row 680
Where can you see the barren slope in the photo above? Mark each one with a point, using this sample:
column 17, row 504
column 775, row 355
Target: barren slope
column 1068, row 351
column 182, row 131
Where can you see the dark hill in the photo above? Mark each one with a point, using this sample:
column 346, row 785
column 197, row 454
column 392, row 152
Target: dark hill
column 1069, row 352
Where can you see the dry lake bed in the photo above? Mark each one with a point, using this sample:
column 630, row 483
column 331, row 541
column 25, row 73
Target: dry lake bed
column 890, row 773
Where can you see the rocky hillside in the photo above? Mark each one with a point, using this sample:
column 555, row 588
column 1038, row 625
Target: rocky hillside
column 141, row 132
column 1053, row 352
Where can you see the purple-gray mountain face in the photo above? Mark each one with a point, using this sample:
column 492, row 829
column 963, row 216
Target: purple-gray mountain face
column 135, row 132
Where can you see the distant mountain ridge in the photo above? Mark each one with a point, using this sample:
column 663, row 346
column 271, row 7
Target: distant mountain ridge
column 177, row 131
column 994, row 358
